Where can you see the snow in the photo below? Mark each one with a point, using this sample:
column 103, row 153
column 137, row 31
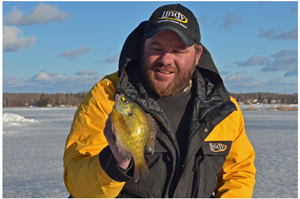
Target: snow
column 11, row 119
column 34, row 140
column 33, row 151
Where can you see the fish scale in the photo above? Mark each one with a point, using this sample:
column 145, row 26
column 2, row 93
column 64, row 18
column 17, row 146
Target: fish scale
column 134, row 131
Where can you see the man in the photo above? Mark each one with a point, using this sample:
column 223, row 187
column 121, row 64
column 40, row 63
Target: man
column 201, row 148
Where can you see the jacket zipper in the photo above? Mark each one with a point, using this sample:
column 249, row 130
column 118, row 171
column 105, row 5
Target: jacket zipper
column 197, row 174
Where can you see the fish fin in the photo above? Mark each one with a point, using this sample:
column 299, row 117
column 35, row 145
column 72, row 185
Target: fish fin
column 152, row 126
column 113, row 132
column 140, row 169
column 126, row 155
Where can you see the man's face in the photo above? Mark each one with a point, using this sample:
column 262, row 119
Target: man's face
column 168, row 64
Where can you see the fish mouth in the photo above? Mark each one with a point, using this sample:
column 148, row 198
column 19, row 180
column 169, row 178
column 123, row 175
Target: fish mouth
column 118, row 96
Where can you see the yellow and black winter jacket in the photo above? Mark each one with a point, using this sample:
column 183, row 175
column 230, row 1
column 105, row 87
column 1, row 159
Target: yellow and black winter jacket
column 219, row 156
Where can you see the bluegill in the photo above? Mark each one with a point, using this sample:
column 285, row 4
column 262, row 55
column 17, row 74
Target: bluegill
column 134, row 131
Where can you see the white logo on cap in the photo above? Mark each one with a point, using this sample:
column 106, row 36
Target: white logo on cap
column 174, row 15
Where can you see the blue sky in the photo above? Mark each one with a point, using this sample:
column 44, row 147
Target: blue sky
column 69, row 46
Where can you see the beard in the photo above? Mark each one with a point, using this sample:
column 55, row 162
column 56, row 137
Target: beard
column 180, row 81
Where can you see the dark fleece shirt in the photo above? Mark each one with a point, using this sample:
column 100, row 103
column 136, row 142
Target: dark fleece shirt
column 178, row 108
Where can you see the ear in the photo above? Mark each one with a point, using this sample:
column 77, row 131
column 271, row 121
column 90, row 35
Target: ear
column 198, row 54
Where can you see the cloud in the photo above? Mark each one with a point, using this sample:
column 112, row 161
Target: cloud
column 291, row 73
column 74, row 54
column 280, row 86
column 240, row 82
column 43, row 13
column 238, row 78
column 114, row 59
column 41, row 77
column 51, row 82
column 284, row 60
column 277, row 33
column 275, row 80
column 13, row 39
column 231, row 20
column 269, row 33
column 253, row 61
column 205, row 21
column 202, row 19
column 294, row 10
column 285, row 35
column 86, row 72
column 5, row 63
column 261, row 3
column 12, row 80
column 223, row 72
column 237, row 83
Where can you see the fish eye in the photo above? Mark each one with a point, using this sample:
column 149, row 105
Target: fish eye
column 124, row 100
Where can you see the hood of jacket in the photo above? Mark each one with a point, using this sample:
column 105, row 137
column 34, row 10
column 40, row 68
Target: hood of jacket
column 209, row 85
column 132, row 50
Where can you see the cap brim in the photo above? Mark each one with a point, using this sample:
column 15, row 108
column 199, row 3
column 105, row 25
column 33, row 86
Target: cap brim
column 186, row 40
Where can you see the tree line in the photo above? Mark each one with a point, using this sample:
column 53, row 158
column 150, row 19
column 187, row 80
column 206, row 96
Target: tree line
column 42, row 99
column 266, row 97
column 74, row 99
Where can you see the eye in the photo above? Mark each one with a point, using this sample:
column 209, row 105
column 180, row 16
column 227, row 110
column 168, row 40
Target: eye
column 124, row 100
column 179, row 51
column 156, row 49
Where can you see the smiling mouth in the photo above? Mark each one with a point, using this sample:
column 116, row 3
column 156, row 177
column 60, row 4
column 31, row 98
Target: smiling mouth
column 164, row 72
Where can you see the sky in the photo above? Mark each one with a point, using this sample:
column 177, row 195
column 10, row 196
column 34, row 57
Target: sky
column 69, row 46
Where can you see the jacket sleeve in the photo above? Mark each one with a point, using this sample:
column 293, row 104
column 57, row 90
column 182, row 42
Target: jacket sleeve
column 237, row 177
column 84, row 175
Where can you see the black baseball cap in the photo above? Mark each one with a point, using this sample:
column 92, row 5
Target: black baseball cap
column 177, row 18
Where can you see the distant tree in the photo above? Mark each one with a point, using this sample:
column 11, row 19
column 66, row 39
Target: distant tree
column 269, row 99
column 259, row 97
column 43, row 102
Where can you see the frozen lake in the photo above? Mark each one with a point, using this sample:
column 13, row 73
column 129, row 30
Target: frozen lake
column 34, row 140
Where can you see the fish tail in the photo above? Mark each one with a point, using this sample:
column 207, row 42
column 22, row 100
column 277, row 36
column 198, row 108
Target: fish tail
column 140, row 168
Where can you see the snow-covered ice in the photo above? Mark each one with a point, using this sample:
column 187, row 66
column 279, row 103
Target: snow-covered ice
column 274, row 136
column 33, row 151
column 34, row 140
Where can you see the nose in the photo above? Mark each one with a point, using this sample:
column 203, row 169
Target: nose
column 166, row 58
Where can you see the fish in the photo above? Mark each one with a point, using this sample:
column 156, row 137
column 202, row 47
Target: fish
column 134, row 131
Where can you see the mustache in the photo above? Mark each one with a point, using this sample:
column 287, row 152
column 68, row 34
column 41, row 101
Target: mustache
column 163, row 67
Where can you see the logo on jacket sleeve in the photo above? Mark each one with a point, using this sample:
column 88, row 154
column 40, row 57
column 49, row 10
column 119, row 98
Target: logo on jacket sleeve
column 217, row 147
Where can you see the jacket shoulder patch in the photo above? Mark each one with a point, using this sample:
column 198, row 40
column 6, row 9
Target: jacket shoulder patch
column 217, row 147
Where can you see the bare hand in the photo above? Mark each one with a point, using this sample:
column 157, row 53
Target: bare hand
column 112, row 144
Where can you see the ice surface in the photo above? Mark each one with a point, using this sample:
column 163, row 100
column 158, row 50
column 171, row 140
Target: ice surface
column 33, row 151
column 274, row 136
